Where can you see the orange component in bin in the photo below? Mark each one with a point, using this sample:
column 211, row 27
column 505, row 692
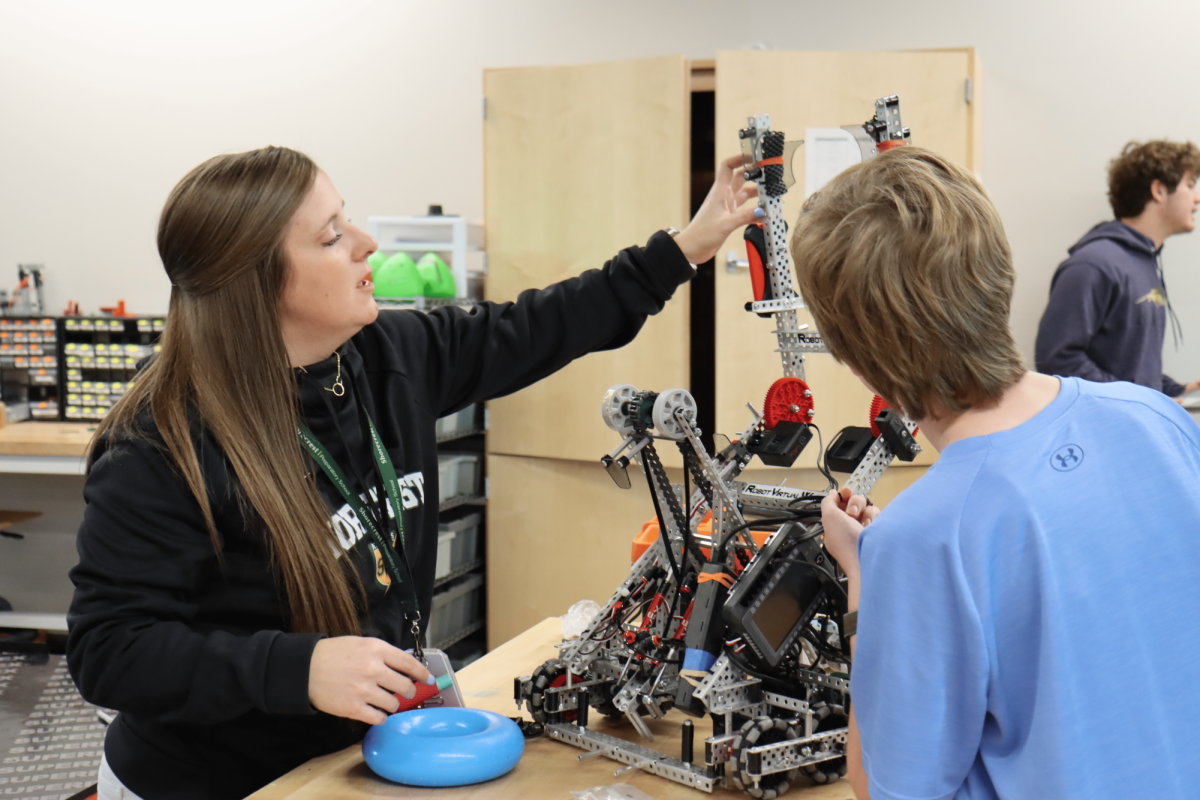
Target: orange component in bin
column 649, row 535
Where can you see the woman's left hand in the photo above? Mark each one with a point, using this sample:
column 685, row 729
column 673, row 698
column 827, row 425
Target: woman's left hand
column 723, row 212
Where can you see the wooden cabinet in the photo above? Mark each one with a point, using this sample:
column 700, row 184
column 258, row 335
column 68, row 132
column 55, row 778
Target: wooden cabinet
column 581, row 161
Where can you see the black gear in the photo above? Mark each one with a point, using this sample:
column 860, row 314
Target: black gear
column 772, row 147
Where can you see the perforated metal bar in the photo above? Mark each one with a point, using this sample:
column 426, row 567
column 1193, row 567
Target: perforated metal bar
column 643, row 758
column 793, row 753
column 871, row 468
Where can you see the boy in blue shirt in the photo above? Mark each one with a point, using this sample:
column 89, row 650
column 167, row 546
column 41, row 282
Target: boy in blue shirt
column 1027, row 608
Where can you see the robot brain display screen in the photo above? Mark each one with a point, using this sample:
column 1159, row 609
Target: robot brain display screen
column 786, row 604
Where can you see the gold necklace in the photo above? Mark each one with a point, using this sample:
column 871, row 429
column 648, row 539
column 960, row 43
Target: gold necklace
column 338, row 389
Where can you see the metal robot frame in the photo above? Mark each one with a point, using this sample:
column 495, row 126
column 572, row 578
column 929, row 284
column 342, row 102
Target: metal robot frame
column 681, row 631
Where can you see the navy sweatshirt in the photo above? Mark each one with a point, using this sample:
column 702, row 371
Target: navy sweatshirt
column 211, row 686
column 1107, row 312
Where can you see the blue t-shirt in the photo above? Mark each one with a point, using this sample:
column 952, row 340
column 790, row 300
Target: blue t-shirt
column 1029, row 625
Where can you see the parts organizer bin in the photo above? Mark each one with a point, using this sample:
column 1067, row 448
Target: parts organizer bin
column 29, row 367
column 459, row 422
column 71, row 368
column 458, row 474
column 458, row 544
column 455, row 607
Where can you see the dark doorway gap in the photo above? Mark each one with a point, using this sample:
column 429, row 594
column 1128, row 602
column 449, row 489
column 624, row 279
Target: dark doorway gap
column 703, row 334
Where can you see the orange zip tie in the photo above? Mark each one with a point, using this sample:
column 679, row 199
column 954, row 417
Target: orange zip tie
column 777, row 161
column 723, row 578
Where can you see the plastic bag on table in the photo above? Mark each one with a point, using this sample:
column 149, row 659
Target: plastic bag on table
column 617, row 791
column 576, row 620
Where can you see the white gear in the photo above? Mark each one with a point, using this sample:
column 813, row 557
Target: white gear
column 666, row 405
column 610, row 408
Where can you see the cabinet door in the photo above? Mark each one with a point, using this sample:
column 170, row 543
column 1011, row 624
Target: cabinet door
column 580, row 162
column 824, row 90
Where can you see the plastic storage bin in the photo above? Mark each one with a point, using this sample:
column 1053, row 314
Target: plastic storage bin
column 458, row 544
column 458, row 474
column 457, row 423
column 455, row 607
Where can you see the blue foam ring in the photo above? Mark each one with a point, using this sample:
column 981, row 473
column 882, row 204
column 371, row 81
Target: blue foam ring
column 443, row 746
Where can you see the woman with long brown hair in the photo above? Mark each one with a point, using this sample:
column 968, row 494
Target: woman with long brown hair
column 258, row 546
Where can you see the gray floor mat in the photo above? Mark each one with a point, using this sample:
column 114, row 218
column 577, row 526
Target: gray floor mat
column 50, row 738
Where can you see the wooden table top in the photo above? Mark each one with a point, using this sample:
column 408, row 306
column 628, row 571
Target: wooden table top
column 35, row 438
column 548, row 769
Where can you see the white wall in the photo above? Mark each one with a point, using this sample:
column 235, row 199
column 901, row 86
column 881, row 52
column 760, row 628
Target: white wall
column 106, row 105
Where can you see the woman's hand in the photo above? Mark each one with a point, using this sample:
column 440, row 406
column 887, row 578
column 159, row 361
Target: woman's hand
column 355, row 677
column 723, row 212
column 843, row 516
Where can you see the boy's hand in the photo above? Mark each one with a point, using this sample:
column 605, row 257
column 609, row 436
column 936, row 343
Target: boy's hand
column 724, row 211
column 843, row 515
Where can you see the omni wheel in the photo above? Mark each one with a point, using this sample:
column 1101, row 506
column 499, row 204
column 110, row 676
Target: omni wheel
column 666, row 405
column 610, row 408
column 835, row 768
column 550, row 675
column 760, row 731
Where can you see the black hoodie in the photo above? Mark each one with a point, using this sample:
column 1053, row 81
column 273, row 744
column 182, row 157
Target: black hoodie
column 1107, row 312
column 212, row 688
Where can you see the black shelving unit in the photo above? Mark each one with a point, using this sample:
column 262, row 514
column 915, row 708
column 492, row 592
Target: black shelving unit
column 29, row 365
column 72, row 368
column 99, row 358
column 458, row 618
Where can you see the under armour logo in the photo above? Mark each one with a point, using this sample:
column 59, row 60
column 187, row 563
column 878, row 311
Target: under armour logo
column 1067, row 458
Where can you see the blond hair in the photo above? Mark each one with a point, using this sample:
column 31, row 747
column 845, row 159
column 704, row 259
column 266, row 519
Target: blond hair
column 904, row 264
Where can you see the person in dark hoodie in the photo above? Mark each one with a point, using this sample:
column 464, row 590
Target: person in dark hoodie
column 260, row 534
column 1107, row 315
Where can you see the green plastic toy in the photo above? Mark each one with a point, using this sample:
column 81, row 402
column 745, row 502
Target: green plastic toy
column 438, row 280
column 376, row 259
column 397, row 276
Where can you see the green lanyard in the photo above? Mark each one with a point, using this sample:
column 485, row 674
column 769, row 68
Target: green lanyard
column 398, row 570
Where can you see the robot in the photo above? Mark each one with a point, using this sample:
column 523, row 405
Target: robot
column 732, row 608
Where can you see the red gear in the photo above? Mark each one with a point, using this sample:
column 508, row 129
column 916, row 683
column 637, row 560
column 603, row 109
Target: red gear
column 570, row 715
column 787, row 399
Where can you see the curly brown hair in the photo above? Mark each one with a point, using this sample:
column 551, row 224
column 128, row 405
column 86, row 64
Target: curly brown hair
column 1131, row 174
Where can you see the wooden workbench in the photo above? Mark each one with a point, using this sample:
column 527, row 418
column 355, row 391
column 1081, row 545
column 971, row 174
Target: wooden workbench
column 45, row 447
column 46, row 438
column 548, row 769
